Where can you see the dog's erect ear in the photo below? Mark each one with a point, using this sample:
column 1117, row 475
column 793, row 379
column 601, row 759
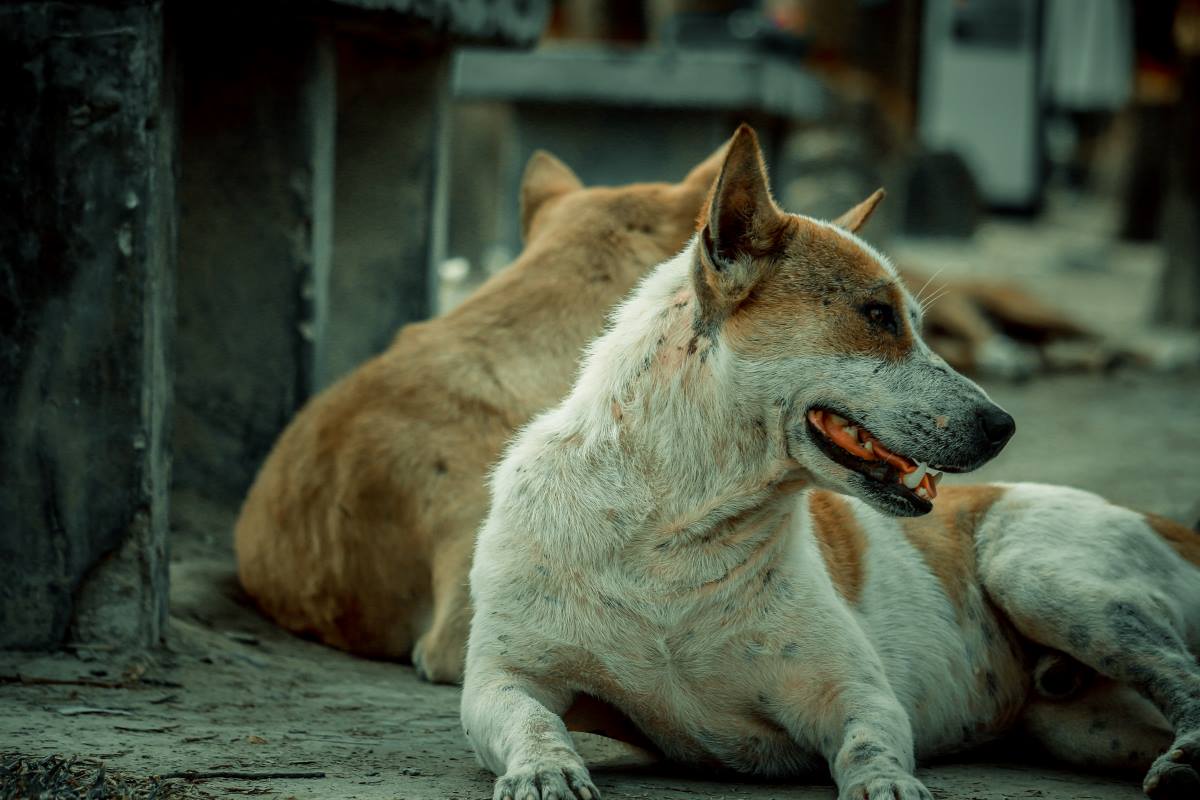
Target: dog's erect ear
column 741, row 214
column 856, row 217
column 741, row 224
column 545, row 177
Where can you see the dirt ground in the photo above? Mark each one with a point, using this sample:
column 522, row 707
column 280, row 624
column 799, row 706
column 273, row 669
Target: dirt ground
column 233, row 693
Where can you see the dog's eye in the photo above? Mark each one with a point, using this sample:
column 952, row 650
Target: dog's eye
column 882, row 316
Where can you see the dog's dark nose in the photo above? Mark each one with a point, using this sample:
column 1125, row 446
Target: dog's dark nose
column 998, row 426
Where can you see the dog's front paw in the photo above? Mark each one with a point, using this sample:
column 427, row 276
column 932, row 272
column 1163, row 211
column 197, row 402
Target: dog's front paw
column 546, row 781
column 884, row 787
column 1175, row 775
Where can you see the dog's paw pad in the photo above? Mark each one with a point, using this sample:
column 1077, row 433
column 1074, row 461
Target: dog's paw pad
column 546, row 782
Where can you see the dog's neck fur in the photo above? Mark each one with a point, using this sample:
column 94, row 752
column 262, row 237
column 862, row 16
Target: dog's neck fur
column 645, row 387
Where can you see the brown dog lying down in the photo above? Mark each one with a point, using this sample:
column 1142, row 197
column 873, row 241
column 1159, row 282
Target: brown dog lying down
column 360, row 526
column 999, row 330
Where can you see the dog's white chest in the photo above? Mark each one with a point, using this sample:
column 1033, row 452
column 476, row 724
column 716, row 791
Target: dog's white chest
column 698, row 695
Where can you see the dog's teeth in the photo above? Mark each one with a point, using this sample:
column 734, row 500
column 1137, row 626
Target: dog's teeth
column 936, row 477
column 921, row 493
column 869, row 446
column 913, row 479
column 850, row 430
column 838, row 421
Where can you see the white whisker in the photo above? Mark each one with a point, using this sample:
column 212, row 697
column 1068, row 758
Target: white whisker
column 941, row 292
column 925, row 286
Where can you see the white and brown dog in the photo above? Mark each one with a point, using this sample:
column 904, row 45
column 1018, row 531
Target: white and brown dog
column 725, row 531
column 360, row 526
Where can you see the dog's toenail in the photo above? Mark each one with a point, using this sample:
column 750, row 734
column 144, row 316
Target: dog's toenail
column 1177, row 755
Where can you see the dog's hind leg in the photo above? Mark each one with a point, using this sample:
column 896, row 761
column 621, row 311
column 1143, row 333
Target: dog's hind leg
column 1098, row 583
column 439, row 653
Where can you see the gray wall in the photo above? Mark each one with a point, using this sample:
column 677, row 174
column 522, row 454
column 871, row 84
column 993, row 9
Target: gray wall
column 86, row 272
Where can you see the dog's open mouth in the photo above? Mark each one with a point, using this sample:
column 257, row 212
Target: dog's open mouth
column 856, row 448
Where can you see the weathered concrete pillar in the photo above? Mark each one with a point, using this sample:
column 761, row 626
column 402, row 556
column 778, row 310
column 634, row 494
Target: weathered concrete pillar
column 86, row 280
column 389, row 194
column 271, row 305
column 257, row 152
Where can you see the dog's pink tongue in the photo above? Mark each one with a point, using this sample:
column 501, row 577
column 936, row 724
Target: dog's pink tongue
column 861, row 443
column 844, row 436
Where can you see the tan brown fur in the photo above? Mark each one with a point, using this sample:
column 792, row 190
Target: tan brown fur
column 1185, row 541
column 946, row 536
column 969, row 313
column 820, row 259
column 359, row 528
column 856, row 217
column 841, row 540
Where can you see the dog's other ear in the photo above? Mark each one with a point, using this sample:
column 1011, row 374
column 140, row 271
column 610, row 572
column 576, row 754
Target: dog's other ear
column 704, row 173
column 742, row 223
column 545, row 177
column 856, row 217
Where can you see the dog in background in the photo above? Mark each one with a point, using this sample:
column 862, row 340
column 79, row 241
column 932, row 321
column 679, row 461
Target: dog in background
column 996, row 329
column 731, row 530
column 360, row 526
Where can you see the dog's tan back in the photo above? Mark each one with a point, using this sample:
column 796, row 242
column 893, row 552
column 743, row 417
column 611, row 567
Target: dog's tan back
column 360, row 525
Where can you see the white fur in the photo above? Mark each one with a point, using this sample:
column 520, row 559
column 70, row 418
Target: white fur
column 577, row 587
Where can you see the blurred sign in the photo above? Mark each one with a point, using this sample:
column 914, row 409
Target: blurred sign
column 979, row 93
